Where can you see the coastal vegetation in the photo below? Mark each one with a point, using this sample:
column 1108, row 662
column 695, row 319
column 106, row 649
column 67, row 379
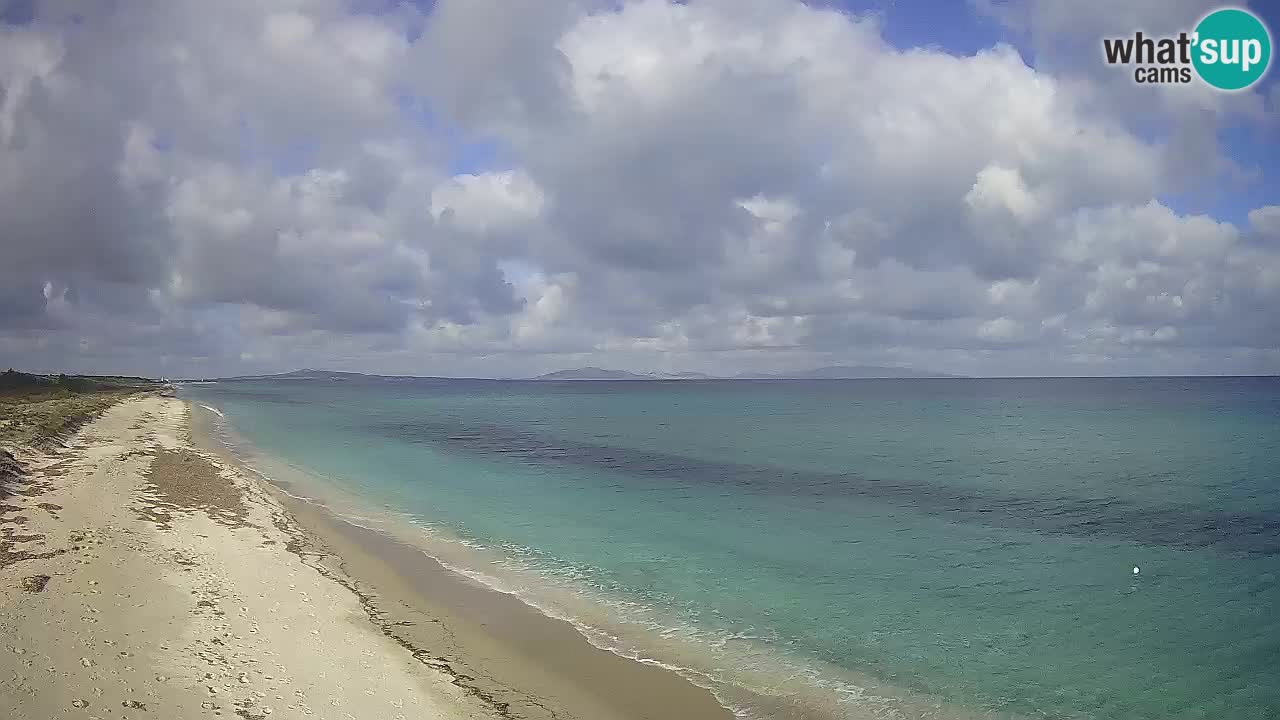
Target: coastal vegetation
column 39, row 410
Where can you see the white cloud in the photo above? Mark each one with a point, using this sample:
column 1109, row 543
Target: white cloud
column 737, row 184
column 493, row 201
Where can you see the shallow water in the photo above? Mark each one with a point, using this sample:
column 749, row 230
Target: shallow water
column 880, row 547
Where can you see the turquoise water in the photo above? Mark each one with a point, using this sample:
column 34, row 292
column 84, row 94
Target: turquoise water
column 898, row 547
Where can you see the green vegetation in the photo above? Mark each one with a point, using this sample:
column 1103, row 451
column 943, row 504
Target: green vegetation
column 42, row 409
column 14, row 382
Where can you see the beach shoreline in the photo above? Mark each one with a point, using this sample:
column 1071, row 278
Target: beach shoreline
column 518, row 660
column 146, row 574
column 525, row 638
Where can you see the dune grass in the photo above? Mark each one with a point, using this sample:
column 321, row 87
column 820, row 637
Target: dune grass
column 39, row 410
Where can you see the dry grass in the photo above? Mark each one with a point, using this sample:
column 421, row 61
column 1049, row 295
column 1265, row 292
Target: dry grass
column 37, row 413
column 40, row 410
column 42, row 418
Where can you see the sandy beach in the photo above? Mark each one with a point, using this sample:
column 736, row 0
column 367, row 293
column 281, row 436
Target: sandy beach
column 144, row 575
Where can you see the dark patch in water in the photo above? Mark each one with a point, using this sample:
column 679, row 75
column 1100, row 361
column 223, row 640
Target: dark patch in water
column 1174, row 526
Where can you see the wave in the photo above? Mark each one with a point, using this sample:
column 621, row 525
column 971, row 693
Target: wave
column 213, row 410
column 750, row 673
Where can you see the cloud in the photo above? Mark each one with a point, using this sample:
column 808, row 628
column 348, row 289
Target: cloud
column 1066, row 39
column 199, row 188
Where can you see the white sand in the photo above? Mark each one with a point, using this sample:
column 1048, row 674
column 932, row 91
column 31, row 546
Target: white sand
column 202, row 619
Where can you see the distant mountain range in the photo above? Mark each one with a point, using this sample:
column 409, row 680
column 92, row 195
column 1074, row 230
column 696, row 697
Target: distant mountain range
column 298, row 375
column 595, row 373
column 834, row 372
column 849, row 372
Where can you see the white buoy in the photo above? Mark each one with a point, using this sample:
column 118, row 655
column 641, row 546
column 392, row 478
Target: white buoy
column 1135, row 570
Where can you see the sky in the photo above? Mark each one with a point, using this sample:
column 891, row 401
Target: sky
column 500, row 188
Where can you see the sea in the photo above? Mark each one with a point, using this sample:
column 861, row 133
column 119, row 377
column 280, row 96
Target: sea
column 949, row 548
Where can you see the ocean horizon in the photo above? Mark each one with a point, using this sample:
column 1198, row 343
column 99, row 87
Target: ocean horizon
column 955, row 548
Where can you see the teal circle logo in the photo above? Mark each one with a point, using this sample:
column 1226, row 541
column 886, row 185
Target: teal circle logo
column 1232, row 49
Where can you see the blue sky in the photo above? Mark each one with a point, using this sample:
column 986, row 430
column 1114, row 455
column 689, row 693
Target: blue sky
column 958, row 28
column 507, row 188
